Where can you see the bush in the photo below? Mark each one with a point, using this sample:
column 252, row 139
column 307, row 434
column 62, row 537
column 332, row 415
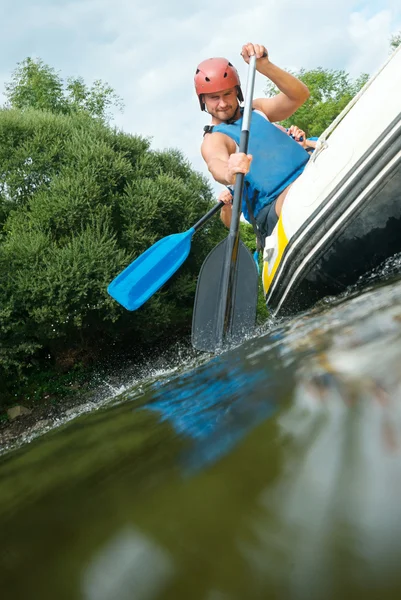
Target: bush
column 78, row 202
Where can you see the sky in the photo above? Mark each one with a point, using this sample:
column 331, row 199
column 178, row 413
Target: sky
column 148, row 52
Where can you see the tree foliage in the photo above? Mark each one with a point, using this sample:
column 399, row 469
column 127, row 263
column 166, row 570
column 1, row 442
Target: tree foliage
column 330, row 92
column 78, row 202
column 35, row 84
column 395, row 41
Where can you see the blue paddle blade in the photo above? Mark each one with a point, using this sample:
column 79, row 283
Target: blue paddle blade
column 143, row 277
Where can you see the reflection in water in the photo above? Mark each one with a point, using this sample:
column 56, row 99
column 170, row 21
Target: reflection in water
column 336, row 506
column 273, row 471
column 216, row 406
column 130, row 563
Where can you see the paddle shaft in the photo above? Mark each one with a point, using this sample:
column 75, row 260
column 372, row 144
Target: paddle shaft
column 230, row 266
column 149, row 271
column 207, row 216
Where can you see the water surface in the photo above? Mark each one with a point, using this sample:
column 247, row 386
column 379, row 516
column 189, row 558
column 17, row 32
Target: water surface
column 270, row 471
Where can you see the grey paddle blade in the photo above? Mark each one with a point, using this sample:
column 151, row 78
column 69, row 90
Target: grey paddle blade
column 206, row 334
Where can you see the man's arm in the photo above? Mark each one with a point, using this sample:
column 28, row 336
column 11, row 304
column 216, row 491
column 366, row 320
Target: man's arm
column 293, row 92
column 226, row 214
column 226, row 210
column 222, row 164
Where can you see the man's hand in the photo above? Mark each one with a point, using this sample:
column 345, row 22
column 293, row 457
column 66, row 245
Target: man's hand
column 225, row 196
column 298, row 135
column 237, row 163
column 257, row 50
column 226, row 210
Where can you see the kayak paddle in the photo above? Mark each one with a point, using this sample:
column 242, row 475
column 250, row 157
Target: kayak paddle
column 206, row 335
column 227, row 289
column 147, row 273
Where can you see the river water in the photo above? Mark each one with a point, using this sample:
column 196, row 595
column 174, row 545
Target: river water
column 272, row 470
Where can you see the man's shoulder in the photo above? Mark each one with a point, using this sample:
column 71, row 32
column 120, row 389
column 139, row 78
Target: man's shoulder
column 214, row 141
column 218, row 137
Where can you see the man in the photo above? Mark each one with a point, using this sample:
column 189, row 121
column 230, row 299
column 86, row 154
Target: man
column 277, row 160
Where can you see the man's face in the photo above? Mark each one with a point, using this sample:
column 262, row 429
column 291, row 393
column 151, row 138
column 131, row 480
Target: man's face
column 222, row 105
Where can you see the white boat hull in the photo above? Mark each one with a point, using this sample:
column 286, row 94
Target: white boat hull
column 342, row 217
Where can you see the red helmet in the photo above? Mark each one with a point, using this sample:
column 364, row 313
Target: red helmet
column 214, row 75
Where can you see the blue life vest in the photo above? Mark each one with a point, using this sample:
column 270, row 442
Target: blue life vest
column 277, row 160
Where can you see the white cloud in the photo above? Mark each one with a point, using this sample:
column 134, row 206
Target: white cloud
column 149, row 52
column 370, row 36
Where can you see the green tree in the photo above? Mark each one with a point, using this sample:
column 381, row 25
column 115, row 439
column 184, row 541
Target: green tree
column 395, row 41
column 330, row 91
column 35, row 84
column 79, row 201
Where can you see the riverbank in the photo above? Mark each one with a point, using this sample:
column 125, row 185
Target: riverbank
column 89, row 390
column 43, row 417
